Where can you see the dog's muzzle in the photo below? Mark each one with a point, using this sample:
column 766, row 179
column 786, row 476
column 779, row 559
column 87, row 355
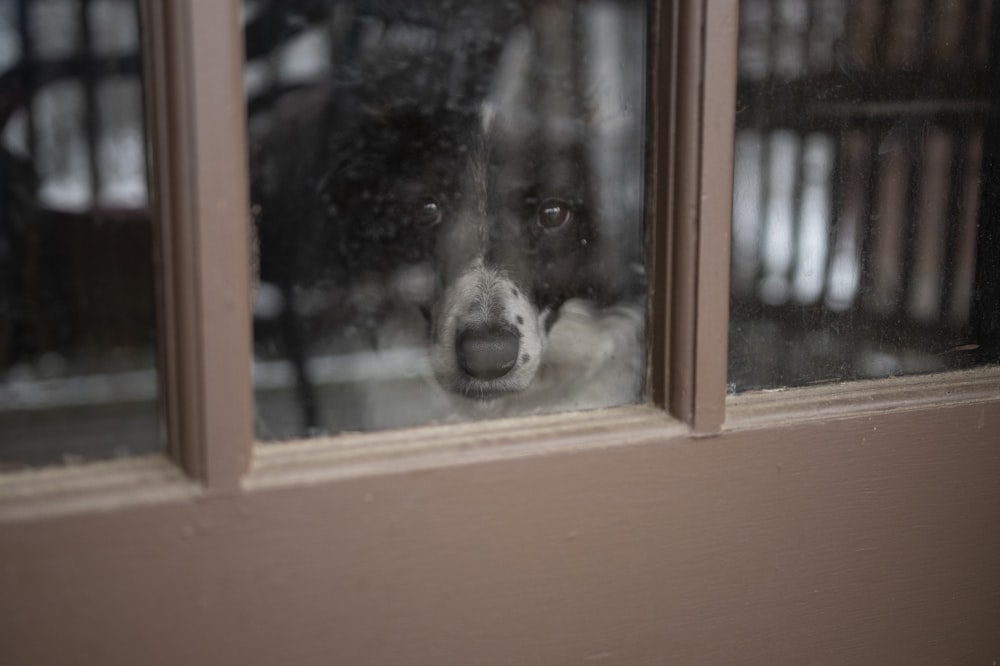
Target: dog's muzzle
column 488, row 338
column 487, row 352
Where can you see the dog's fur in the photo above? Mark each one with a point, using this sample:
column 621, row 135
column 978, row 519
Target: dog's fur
column 471, row 203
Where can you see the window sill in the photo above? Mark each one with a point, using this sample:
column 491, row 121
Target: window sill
column 353, row 455
column 92, row 487
column 761, row 409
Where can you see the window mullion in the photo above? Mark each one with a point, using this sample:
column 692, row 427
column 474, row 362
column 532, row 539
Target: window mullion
column 197, row 118
column 701, row 206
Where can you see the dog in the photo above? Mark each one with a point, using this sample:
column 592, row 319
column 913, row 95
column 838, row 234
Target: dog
column 463, row 192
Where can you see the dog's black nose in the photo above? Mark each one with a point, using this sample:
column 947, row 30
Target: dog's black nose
column 487, row 352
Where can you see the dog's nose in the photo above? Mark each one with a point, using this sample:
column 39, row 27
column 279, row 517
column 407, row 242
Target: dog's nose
column 487, row 352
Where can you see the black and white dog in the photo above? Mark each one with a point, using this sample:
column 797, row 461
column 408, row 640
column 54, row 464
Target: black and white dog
column 460, row 179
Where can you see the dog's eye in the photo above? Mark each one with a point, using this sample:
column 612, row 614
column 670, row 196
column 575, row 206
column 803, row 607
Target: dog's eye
column 554, row 213
column 428, row 212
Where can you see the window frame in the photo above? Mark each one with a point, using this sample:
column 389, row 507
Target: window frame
column 199, row 173
column 844, row 523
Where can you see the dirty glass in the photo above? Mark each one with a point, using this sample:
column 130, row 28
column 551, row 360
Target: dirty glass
column 448, row 205
column 865, row 223
column 77, row 347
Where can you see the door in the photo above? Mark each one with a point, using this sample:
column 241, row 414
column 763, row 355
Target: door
column 843, row 523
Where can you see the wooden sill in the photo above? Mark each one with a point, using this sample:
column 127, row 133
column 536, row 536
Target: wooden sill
column 429, row 447
column 140, row 481
column 92, row 487
column 109, row 486
column 762, row 409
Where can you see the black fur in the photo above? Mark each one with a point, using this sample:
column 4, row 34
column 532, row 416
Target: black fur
column 412, row 156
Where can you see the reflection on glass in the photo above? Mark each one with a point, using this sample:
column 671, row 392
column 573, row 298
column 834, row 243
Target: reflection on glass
column 864, row 211
column 448, row 203
column 77, row 349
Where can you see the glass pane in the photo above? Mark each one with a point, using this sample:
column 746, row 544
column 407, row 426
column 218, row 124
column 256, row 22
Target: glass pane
column 77, row 302
column 449, row 205
column 865, row 190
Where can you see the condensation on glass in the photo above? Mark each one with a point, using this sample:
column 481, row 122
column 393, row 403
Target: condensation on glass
column 865, row 223
column 448, row 205
column 77, row 303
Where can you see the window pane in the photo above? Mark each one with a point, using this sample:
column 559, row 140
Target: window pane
column 77, row 302
column 864, row 212
column 449, row 206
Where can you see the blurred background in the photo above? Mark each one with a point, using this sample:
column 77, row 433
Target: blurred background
column 78, row 374
column 865, row 221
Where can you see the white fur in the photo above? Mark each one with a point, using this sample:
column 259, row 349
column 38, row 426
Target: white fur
column 480, row 296
column 594, row 358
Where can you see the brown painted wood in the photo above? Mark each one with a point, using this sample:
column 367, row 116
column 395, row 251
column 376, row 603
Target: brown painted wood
column 715, row 215
column 685, row 168
column 848, row 524
column 661, row 154
column 870, row 537
column 197, row 120
column 700, row 151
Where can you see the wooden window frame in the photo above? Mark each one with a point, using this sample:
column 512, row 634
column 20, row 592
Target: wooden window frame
column 855, row 523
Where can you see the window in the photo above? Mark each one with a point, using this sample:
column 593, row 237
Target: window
column 862, row 192
column 849, row 523
column 449, row 207
column 78, row 351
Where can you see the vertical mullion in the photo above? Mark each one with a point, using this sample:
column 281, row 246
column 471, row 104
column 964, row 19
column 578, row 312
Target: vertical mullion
column 686, row 108
column 702, row 211
column 715, row 222
column 663, row 138
column 197, row 118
